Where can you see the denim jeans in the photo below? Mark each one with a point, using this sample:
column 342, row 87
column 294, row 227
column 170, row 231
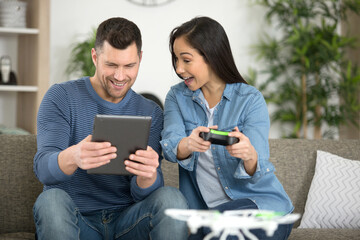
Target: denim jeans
column 282, row 232
column 57, row 217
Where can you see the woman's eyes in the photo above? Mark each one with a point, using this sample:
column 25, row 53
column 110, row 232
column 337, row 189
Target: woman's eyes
column 183, row 60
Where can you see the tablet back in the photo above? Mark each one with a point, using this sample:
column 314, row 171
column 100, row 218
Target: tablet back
column 126, row 133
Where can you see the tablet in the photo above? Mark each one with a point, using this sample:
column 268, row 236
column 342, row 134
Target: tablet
column 126, row 133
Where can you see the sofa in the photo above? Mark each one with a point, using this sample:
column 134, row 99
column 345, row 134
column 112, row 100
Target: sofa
column 294, row 160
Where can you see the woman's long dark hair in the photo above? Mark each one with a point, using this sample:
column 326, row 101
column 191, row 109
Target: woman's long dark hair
column 208, row 37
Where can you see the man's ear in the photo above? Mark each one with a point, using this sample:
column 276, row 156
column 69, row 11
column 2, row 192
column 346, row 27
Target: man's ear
column 93, row 56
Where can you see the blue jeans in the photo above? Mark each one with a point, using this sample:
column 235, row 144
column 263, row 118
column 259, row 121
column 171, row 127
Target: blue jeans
column 57, row 217
column 282, row 232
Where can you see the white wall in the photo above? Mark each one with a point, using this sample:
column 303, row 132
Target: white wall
column 72, row 21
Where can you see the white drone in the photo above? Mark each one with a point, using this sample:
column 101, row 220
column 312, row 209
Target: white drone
column 234, row 222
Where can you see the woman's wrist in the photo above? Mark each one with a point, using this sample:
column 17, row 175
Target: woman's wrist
column 251, row 164
column 182, row 151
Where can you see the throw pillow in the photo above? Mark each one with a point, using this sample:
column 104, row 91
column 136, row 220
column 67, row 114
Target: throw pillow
column 334, row 196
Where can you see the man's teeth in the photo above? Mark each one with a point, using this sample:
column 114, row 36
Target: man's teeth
column 119, row 84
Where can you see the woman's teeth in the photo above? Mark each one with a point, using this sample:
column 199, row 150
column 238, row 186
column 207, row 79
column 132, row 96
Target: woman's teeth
column 188, row 79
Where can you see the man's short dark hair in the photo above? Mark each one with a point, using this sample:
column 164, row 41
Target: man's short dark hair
column 119, row 33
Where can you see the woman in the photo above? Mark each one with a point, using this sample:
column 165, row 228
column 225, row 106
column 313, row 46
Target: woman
column 213, row 95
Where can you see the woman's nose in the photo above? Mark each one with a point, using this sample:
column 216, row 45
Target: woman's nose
column 179, row 69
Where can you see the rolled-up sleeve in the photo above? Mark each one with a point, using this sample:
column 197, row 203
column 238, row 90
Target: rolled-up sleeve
column 256, row 128
column 173, row 132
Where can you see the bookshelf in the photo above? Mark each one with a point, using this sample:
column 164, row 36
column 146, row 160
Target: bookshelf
column 33, row 67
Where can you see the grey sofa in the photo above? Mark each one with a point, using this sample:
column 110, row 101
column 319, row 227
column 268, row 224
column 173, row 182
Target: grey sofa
column 294, row 160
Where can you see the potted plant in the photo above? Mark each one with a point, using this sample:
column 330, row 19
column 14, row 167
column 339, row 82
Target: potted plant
column 306, row 69
column 80, row 63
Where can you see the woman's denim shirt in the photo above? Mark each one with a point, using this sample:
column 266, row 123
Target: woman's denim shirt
column 243, row 106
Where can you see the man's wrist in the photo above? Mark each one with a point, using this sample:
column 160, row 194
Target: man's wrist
column 66, row 164
column 143, row 182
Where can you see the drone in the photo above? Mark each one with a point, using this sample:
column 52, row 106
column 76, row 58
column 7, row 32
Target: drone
column 233, row 222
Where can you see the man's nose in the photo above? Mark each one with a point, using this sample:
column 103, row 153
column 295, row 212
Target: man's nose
column 119, row 74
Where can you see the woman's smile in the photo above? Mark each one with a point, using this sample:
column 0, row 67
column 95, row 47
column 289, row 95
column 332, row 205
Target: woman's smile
column 188, row 80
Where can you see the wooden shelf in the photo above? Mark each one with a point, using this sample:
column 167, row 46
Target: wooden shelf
column 18, row 31
column 17, row 88
column 33, row 67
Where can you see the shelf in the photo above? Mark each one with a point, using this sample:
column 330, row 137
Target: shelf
column 20, row 103
column 16, row 88
column 18, row 31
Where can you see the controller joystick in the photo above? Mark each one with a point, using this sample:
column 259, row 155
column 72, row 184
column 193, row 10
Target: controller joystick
column 218, row 137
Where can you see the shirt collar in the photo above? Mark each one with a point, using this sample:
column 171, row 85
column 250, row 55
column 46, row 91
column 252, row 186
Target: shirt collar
column 228, row 91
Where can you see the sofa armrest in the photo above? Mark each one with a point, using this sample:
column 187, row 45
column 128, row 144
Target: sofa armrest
column 19, row 187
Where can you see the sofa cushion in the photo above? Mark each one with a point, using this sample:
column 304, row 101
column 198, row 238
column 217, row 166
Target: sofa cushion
column 333, row 199
column 295, row 161
column 19, row 186
column 171, row 173
column 17, row 236
column 324, row 234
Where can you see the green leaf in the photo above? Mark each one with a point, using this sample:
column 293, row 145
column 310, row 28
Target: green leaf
column 81, row 63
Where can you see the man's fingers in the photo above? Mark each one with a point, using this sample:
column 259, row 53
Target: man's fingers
column 138, row 172
column 144, row 160
column 140, row 167
column 143, row 156
column 94, row 162
column 98, row 153
column 96, row 145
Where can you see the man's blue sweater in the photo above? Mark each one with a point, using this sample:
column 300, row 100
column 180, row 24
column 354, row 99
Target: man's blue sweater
column 65, row 118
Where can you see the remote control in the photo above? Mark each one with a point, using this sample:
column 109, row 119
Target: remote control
column 218, row 137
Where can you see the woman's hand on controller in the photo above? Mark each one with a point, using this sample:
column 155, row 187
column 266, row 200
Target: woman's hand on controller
column 193, row 143
column 244, row 150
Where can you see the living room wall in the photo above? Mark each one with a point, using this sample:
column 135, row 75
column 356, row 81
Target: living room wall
column 72, row 21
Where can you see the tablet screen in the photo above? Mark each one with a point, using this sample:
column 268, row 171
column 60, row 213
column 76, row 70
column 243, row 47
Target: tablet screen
column 126, row 133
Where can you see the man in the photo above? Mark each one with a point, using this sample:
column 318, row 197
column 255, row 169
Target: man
column 77, row 205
